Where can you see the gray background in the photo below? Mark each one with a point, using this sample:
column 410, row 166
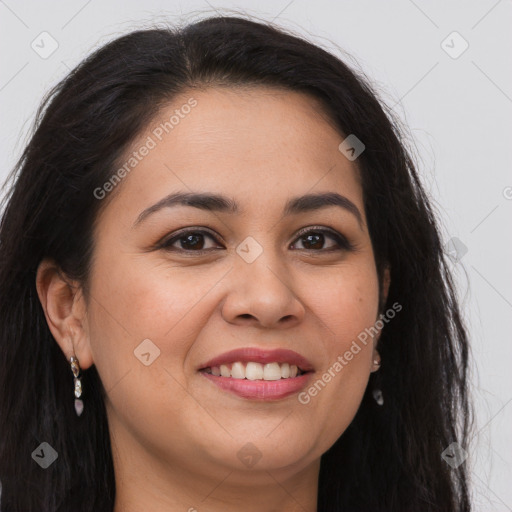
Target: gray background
column 458, row 111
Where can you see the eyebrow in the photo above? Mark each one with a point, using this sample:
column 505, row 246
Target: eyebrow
column 219, row 203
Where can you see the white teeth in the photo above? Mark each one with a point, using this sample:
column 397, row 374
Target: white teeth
column 271, row 371
column 238, row 371
column 255, row 371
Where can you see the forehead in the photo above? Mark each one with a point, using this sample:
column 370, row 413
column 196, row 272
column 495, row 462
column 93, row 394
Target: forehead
column 259, row 145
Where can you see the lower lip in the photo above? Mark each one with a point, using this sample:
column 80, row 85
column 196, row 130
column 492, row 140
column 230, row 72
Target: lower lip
column 261, row 389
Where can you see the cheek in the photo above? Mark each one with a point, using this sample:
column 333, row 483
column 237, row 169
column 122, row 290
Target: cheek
column 349, row 308
column 126, row 312
column 352, row 307
column 345, row 301
column 149, row 300
column 132, row 302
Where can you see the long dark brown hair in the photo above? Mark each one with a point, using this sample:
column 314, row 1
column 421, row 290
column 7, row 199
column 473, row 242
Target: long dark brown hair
column 389, row 458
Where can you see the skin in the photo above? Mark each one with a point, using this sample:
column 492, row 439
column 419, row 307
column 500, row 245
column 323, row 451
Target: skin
column 175, row 436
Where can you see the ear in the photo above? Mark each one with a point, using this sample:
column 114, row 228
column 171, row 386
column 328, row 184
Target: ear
column 65, row 311
column 386, row 281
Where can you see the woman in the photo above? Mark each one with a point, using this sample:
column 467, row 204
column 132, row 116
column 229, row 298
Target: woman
column 223, row 288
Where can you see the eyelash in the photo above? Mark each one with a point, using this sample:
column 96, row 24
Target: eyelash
column 343, row 243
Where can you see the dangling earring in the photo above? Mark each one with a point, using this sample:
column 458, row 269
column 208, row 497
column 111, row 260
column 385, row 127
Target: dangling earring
column 377, row 396
column 377, row 393
column 75, row 368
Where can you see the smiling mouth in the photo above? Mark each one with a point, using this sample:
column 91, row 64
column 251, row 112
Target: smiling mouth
column 251, row 370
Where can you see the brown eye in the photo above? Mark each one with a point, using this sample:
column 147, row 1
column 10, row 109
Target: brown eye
column 188, row 241
column 315, row 239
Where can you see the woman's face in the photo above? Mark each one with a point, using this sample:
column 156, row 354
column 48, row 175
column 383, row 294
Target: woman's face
column 165, row 301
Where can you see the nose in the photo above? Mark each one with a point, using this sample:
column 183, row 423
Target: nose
column 262, row 294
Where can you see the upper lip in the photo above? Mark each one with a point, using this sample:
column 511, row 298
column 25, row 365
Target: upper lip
column 258, row 355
